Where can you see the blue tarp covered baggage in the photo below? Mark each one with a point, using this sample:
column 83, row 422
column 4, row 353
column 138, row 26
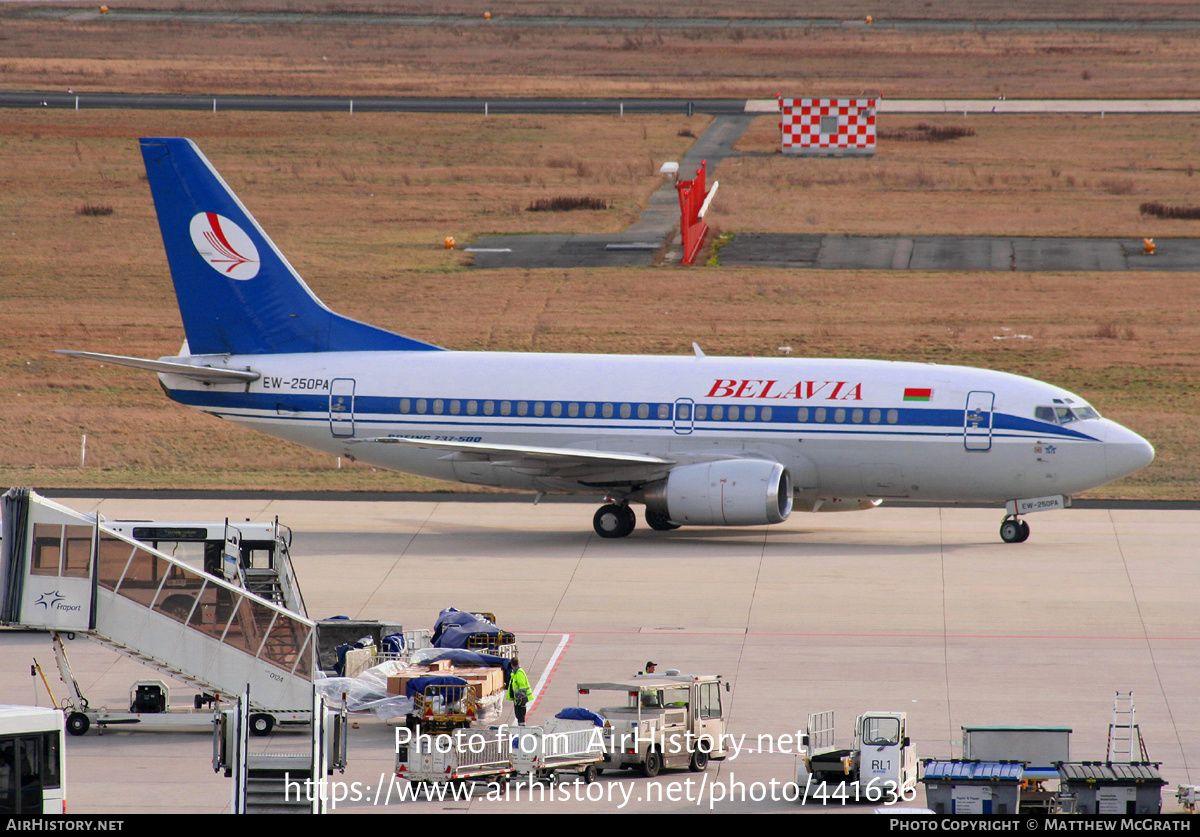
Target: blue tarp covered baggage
column 463, row 657
column 393, row 644
column 419, row 684
column 578, row 713
column 453, row 626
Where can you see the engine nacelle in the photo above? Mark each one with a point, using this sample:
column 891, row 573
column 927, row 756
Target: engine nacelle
column 729, row 492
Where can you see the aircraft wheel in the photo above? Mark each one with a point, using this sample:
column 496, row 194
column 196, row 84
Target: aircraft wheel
column 78, row 723
column 1011, row 528
column 1024, row 532
column 261, row 724
column 653, row 763
column 614, row 521
column 659, row 521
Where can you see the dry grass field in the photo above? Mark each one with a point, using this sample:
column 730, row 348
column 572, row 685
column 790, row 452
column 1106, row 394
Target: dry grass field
column 510, row 59
column 1067, row 175
column 360, row 204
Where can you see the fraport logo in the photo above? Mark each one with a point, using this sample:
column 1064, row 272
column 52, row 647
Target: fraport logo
column 50, row 600
column 54, row 601
column 224, row 245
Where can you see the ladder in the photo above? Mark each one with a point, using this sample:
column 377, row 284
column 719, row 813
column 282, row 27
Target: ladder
column 1122, row 731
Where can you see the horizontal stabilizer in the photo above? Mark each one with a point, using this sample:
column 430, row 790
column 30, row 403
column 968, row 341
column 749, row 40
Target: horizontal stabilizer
column 207, row 374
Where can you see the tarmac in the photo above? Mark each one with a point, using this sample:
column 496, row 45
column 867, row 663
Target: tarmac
column 922, row 610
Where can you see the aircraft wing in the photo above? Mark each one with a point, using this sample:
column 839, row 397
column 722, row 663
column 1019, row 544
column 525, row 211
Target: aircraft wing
column 593, row 466
column 207, row 374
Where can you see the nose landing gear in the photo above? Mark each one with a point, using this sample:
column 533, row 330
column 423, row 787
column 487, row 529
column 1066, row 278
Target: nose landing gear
column 1014, row 530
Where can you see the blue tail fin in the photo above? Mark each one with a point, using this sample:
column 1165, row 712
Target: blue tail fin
column 236, row 291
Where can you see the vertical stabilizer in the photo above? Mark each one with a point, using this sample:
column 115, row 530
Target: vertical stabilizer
column 236, row 291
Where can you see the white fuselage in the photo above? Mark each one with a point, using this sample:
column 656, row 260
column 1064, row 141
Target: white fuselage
column 846, row 429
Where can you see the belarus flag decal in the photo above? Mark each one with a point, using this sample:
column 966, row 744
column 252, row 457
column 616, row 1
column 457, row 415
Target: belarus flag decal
column 917, row 394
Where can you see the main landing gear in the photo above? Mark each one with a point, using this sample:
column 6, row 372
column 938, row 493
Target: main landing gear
column 1014, row 530
column 616, row 520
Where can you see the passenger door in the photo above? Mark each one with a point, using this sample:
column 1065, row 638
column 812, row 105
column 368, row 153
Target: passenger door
column 341, row 407
column 977, row 421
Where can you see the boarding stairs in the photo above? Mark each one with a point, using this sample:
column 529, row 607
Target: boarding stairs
column 279, row 783
column 1124, row 731
column 65, row 571
column 265, row 583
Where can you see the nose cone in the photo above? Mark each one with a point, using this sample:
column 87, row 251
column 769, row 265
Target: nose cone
column 1125, row 452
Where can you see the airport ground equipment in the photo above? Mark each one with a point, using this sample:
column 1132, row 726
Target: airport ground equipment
column 251, row 555
column 69, row 572
column 1188, row 796
column 953, row 786
column 464, row 754
column 882, row 755
column 443, row 707
column 558, row 746
column 150, row 706
column 1122, row 788
column 33, row 770
column 292, row 782
column 669, row 721
column 1038, row 749
column 1124, row 733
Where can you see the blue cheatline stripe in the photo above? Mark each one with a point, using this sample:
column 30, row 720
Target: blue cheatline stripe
column 374, row 409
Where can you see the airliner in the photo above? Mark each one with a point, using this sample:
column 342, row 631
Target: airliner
column 697, row 440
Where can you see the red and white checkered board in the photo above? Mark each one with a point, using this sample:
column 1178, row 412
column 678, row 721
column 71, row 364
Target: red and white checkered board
column 800, row 120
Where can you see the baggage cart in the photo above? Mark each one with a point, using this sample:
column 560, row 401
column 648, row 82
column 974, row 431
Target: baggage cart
column 465, row 754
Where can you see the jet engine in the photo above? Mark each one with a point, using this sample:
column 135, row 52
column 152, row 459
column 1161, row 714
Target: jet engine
column 728, row 492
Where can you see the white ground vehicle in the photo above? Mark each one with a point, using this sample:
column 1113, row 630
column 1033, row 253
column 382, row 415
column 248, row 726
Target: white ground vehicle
column 33, row 776
column 672, row 721
column 881, row 766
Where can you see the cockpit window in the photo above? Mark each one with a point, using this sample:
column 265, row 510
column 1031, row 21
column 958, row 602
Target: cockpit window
column 1064, row 415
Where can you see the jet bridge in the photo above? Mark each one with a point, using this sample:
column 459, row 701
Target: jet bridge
column 63, row 570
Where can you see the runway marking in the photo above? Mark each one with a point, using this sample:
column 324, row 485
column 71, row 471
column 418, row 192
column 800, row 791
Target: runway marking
column 548, row 672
